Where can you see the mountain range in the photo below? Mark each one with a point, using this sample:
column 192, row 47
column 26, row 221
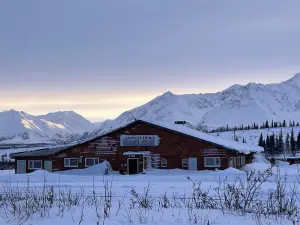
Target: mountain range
column 237, row 105
column 58, row 127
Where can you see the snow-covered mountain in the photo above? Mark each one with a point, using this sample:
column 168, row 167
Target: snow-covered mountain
column 237, row 105
column 21, row 127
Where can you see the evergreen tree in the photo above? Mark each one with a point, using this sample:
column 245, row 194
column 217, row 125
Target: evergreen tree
column 267, row 124
column 287, row 143
column 293, row 123
column 298, row 143
column 297, row 124
column 272, row 144
column 261, row 140
column 244, row 140
column 267, row 145
column 280, row 146
column 284, row 123
column 293, row 142
column 272, row 124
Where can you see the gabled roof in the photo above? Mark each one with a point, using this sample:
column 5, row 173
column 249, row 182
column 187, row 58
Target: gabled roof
column 177, row 128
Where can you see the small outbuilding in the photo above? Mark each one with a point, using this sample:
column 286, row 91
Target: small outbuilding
column 142, row 145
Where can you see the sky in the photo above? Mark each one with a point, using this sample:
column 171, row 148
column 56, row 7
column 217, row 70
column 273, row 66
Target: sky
column 100, row 58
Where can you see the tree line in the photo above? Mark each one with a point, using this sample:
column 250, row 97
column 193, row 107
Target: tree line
column 277, row 144
column 265, row 125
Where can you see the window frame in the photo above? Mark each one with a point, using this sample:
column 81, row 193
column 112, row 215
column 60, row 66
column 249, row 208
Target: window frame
column 70, row 166
column 238, row 160
column 212, row 166
column 165, row 164
column 34, row 168
column 243, row 160
column 92, row 159
column 184, row 161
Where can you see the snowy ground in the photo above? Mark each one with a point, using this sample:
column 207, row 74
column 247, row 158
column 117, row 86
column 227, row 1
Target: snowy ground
column 252, row 136
column 167, row 183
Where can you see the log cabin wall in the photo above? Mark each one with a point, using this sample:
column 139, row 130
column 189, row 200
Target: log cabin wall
column 173, row 146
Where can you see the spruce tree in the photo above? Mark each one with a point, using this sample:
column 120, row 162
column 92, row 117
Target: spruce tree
column 261, row 140
column 287, row 144
column 284, row 123
column 280, row 143
column 272, row 144
column 244, row 140
column 267, row 124
column 272, row 124
column 267, row 145
column 297, row 124
column 293, row 142
column 298, row 143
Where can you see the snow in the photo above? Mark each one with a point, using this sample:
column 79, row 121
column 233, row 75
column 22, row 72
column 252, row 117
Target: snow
column 20, row 127
column 260, row 164
column 235, row 106
column 252, row 136
column 243, row 148
column 161, row 182
column 96, row 170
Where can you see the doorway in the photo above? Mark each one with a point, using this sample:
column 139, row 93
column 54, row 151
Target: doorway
column 192, row 164
column 48, row 165
column 132, row 166
column 21, row 166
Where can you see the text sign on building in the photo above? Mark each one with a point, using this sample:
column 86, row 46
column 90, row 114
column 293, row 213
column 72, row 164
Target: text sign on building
column 139, row 140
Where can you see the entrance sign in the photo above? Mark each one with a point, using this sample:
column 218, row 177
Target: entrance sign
column 139, row 140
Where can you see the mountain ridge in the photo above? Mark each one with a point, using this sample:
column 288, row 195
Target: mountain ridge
column 237, row 105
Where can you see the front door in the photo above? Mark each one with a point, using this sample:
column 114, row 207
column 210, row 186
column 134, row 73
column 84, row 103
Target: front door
column 21, row 166
column 192, row 164
column 132, row 166
column 48, row 165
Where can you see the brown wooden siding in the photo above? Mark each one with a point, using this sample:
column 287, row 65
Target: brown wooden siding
column 173, row 146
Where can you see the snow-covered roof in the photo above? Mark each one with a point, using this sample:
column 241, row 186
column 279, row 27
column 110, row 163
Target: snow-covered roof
column 234, row 145
column 183, row 129
column 179, row 128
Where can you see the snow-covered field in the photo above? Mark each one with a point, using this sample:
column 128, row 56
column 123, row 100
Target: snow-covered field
column 170, row 199
column 252, row 136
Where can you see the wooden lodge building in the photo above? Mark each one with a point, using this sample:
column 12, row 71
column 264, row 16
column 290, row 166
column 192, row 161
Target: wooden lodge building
column 141, row 145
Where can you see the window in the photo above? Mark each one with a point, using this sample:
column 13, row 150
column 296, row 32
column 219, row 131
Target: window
column 212, row 162
column 243, row 160
column 184, row 163
column 231, row 162
column 238, row 160
column 163, row 162
column 91, row 161
column 71, row 162
column 35, row 164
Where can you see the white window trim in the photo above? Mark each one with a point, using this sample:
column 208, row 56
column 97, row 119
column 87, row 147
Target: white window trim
column 95, row 159
column 165, row 164
column 214, row 162
column 33, row 168
column 69, row 166
column 184, row 163
column 243, row 160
